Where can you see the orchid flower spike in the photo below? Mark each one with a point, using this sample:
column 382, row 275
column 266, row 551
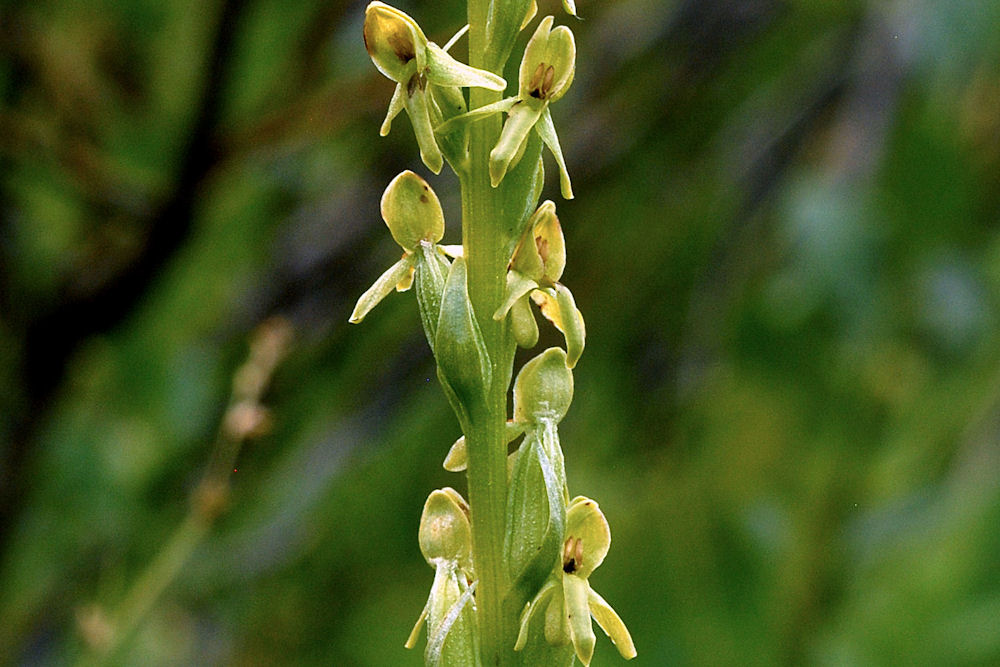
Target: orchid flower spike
column 427, row 78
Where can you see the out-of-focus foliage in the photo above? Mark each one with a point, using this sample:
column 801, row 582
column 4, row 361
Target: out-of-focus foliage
column 785, row 242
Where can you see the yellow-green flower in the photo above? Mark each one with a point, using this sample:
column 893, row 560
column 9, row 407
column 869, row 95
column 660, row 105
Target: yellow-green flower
column 546, row 72
column 427, row 78
column 535, row 270
column 413, row 215
column 567, row 600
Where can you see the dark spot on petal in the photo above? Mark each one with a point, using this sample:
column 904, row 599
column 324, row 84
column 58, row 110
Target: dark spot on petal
column 569, row 567
column 424, row 199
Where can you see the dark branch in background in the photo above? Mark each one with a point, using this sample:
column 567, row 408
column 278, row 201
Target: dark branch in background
column 52, row 338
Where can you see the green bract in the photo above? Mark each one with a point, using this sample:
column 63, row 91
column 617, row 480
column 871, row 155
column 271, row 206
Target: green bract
column 426, row 76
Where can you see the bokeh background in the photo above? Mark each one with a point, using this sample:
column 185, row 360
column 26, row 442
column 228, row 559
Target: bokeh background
column 785, row 243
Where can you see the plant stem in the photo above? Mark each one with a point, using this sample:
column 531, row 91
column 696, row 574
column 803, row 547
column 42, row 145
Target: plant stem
column 487, row 265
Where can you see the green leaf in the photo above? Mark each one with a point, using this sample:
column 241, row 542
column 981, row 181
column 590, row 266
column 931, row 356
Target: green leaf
column 521, row 190
column 451, row 623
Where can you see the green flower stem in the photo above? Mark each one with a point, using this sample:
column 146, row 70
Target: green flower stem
column 485, row 252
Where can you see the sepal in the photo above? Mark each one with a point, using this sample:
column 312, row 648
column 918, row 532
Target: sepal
column 445, row 533
column 443, row 70
column 559, row 307
column 457, row 458
column 394, row 41
column 547, row 131
column 412, row 211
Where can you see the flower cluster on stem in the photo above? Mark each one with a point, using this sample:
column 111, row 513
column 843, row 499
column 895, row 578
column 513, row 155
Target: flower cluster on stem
column 512, row 565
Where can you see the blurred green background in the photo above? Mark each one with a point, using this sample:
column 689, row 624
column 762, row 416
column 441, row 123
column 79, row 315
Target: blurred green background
column 785, row 243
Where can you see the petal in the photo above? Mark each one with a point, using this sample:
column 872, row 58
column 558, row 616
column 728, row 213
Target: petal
column 521, row 119
column 547, row 131
column 558, row 306
column 518, row 285
column 581, row 630
column 569, row 6
column 382, row 287
column 420, row 117
column 443, row 70
column 396, row 104
column 523, row 324
column 476, row 114
column 534, row 55
column 530, row 609
column 411, row 641
column 532, row 10
column 612, row 625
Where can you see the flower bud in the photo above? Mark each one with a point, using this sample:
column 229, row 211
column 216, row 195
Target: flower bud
column 544, row 388
column 445, row 533
column 549, row 63
column 412, row 211
column 394, row 41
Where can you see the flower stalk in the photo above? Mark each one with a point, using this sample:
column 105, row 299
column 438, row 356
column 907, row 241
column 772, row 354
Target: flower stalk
column 499, row 558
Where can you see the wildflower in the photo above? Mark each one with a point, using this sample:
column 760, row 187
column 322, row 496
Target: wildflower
column 535, row 269
column 546, row 72
column 567, row 600
column 413, row 214
column 427, row 78
column 446, row 543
